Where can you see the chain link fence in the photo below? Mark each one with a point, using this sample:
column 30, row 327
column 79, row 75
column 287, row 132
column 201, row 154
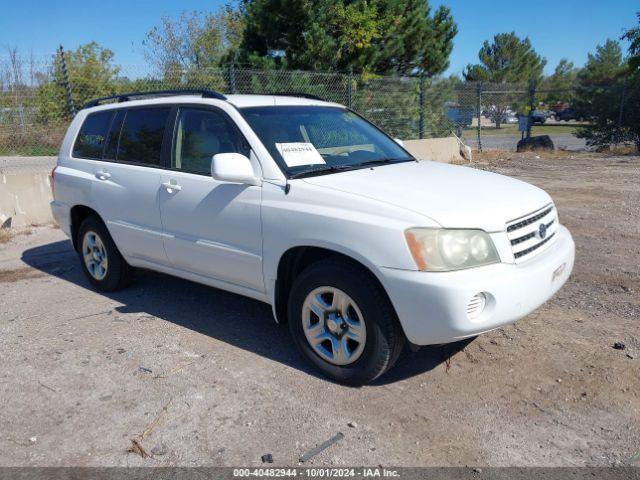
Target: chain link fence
column 39, row 99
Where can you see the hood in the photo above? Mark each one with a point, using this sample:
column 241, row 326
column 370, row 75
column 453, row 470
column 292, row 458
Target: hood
column 451, row 195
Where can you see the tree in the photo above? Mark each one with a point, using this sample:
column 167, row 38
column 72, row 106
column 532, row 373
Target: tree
column 561, row 82
column 91, row 73
column 604, row 65
column 633, row 36
column 507, row 59
column 417, row 42
column 182, row 50
column 599, row 86
column 630, row 115
column 609, row 93
column 372, row 36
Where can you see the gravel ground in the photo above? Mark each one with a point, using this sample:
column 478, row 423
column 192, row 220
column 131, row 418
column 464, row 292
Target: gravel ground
column 198, row 376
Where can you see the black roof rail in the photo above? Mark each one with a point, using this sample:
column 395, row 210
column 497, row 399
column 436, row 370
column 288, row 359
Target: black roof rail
column 297, row 94
column 125, row 97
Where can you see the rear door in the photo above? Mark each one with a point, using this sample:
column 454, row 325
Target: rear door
column 211, row 228
column 127, row 182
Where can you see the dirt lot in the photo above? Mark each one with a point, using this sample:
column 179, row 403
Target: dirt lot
column 202, row 377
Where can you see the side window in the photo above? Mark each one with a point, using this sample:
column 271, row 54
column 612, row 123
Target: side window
column 111, row 150
column 141, row 135
column 201, row 134
column 91, row 137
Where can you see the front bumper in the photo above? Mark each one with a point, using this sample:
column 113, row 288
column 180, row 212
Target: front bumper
column 432, row 306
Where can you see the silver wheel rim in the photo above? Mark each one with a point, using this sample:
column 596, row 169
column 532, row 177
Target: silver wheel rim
column 334, row 325
column 95, row 255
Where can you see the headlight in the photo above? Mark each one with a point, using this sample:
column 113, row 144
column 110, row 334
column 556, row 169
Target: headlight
column 438, row 249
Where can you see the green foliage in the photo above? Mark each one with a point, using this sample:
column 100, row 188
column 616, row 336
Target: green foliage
column 185, row 50
column 633, row 36
column 508, row 59
column 603, row 66
column 379, row 36
column 609, row 95
column 561, row 83
column 394, row 104
column 91, row 74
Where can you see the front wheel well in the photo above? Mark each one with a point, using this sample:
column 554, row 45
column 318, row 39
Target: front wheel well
column 294, row 261
column 78, row 215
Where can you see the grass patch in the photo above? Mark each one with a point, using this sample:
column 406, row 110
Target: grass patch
column 5, row 235
column 29, row 151
column 512, row 129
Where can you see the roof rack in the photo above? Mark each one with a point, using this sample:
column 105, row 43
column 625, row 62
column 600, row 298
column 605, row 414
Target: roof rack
column 125, row 97
column 297, row 94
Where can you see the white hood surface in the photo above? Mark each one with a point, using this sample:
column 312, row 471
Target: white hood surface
column 453, row 196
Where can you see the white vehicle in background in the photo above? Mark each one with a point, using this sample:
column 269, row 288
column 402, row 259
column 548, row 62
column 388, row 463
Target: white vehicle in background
column 510, row 117
column 305, row 205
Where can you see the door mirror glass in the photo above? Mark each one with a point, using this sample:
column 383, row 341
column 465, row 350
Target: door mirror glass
column 234, row 168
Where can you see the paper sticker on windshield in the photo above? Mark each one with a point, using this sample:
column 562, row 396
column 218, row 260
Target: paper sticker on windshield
column 299, row 153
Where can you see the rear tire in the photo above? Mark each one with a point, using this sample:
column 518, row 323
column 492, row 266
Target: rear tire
column 101, row 261
column 356, row 334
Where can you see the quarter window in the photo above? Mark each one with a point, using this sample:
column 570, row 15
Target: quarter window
column 201, row 134
column 91, row 137
column 141, row 135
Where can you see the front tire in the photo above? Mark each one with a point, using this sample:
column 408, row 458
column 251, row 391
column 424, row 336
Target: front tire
column 343, row 323
column 101, row 261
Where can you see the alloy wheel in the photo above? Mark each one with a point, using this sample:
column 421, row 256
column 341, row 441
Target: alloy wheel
column 95, row 256
column 333, row 325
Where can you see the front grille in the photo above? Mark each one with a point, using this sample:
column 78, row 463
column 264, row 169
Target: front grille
column 529, row 235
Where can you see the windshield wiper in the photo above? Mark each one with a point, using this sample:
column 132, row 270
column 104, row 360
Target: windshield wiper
column 323, row 170
column 383, row 161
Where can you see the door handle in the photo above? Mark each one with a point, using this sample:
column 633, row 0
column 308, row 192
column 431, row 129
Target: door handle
column 171, row 186
column 103, row 175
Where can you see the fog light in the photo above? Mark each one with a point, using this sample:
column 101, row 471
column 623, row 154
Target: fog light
column 476, row 305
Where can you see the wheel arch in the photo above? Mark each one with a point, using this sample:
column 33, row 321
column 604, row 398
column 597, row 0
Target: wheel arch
column 294, row 260
column 78, row 214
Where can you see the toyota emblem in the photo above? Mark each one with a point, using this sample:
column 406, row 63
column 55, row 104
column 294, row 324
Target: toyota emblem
column 542, row 230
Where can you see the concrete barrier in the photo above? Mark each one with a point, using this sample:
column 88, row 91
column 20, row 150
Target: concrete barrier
column 445, row 150
column 25, row 190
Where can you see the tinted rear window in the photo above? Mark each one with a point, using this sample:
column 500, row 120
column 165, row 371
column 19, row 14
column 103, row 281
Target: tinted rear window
column 92, row 135
column 111, row 149
column 141, row 135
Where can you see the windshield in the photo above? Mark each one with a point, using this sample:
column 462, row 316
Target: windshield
column 310, row 140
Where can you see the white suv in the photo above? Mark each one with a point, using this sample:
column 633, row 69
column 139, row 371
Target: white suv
column 305, row 205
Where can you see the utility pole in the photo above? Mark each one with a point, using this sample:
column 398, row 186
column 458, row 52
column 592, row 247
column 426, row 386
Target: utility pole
column 532, row 100
column 350, row 88
column 232, row 77
column 67, row 83
column 422, row 102
column 621, row 111
column 479, row 113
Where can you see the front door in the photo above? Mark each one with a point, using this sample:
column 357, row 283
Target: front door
column 211, row 228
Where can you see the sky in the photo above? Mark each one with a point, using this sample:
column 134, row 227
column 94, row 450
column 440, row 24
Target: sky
column 556, row 28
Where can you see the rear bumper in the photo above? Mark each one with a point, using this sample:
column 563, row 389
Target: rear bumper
column 62, row 215
column 432, row 306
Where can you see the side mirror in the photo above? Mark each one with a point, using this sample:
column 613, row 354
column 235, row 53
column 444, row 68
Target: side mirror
column 399, row 142
column 233, row 168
